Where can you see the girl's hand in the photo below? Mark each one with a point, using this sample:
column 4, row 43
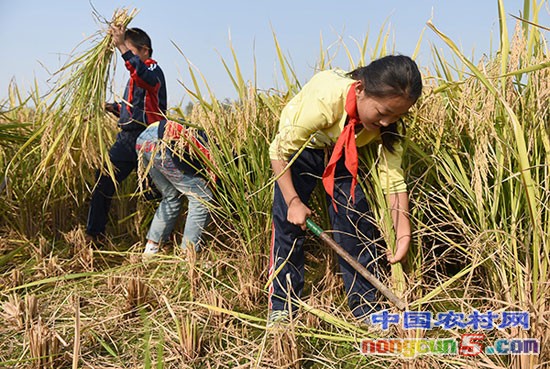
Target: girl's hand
column 297, row 213
column 399, row 254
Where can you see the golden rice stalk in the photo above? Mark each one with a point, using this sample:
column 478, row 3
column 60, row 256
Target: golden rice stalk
column 213, row 297
column 83, row 253
column 193, row 274
column 74, row 129
column 43, row 346
column 51, row 267
column 136, row 293
column 43, row 249
column 77, row 333
column 285, row 351
column 113, row 283
column 31, row 309
column 16, row 278
column 249, row 286
column 14, row 311
column 190, row 337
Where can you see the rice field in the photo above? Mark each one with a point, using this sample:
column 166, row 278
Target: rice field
column 478, row 171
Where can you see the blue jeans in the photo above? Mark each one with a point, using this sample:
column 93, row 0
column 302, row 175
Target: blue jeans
column 173, row 184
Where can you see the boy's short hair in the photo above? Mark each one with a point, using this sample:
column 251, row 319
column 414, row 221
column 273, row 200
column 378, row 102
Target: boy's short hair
column 139, row 39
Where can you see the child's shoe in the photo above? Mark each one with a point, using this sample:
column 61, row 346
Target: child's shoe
column 277, row 318
column 151, row 249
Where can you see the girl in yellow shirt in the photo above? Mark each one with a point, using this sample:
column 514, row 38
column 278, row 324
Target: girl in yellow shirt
column 339, row 111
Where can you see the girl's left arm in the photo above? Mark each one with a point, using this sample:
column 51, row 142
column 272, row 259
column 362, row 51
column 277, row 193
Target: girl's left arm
column 399, row 207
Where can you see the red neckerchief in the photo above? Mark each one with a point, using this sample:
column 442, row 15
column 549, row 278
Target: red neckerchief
column 346, row 142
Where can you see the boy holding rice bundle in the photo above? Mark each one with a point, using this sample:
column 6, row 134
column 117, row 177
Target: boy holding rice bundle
column 143, row 103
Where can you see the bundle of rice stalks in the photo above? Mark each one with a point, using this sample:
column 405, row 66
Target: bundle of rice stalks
column 20, row 312
column 83, row 253
column 44, row 346
column 190, row 337
column 285, row 350
column 137, row 293
column 15, row 278
column 72, row 122
column 213, row 297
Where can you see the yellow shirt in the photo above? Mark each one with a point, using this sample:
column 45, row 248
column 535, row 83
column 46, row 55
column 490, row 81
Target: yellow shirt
column 318, row 113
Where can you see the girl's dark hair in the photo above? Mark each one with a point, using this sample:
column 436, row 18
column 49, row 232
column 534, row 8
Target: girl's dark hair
column 139, row 39
column 390, row 76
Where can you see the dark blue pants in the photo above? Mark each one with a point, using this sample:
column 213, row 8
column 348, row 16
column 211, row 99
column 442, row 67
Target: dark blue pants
column 124, row 159
column 352, row 230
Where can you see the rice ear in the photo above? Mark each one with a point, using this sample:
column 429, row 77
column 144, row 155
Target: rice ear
column 73, row 128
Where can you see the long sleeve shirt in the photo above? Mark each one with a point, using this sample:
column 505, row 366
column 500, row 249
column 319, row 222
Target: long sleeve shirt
column 145, row 99
column 317, row 115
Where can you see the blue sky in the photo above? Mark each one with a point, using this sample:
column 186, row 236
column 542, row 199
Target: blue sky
column 37, row 36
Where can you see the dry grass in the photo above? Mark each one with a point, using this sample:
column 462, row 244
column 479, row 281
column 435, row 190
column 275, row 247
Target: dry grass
column 66, row 303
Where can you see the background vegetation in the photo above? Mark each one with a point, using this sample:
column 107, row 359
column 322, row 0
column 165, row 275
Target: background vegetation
column 478, row 156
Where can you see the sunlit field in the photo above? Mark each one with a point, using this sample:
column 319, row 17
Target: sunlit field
column 477, row 160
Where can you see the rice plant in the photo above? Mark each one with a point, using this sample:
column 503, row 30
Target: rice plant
column 478, row 156
column 70, row 120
